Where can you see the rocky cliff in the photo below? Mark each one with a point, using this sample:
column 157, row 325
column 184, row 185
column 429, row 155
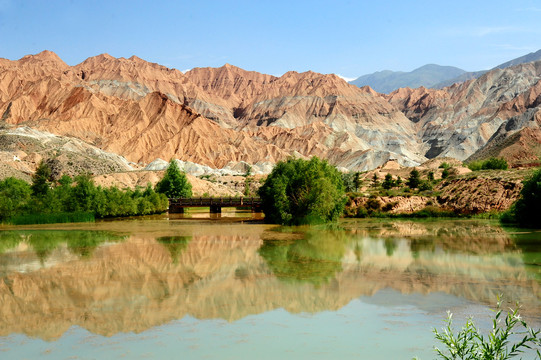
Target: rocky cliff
column 209, row 116
column 214, row 116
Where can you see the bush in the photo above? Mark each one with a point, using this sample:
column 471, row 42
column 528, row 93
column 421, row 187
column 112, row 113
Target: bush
column 489, row 164
column 525, row 211
column 445, row 173
column 445, row 165
column 300, row 191
column 14, row 197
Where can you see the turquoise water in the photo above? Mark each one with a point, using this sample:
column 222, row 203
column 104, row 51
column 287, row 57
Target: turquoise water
column 169, row 289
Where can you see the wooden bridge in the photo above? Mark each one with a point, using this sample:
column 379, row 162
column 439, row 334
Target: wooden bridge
column 178, row 205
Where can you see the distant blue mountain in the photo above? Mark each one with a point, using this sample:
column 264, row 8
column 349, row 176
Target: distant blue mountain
column 387, row 81
column 430, row 76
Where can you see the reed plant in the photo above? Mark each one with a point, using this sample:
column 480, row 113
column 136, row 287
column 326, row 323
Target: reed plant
column 510, row 336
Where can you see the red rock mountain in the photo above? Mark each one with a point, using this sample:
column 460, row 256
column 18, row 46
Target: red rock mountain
column 212, row 116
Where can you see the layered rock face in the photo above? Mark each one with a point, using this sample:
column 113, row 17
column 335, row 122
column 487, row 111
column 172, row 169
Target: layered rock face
column 215, row 116
column 460, row 120
column 209, row 116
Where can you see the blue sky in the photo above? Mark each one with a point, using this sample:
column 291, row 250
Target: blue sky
column 350, row 38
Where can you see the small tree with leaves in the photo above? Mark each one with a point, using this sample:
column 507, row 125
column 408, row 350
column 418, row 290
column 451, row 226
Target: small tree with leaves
column 174, row 183
column 388, row 182
column 41, row 180
column 357, row 181
column 414, row 180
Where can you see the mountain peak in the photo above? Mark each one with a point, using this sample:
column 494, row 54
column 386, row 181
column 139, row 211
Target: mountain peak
column 45, row 55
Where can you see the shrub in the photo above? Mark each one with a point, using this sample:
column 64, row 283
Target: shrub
column 525, row 211
column 489, row 164
column 445, row 165
column 445, row 173
column 301, row 191
column 14, row 196
column 174, row 183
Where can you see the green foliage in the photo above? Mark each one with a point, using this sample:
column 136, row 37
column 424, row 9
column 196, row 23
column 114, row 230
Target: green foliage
column 41, row 179
column 80, row 203
column 445, row 173
column 54, row 218
column 388, row 182
column 425, row 185
column 174, row 183
column 14, row 197
column 414, row 180
column 247, row 190
column 352, row 181
column 248, row 171
column 445, row 165
column 357, row 181
column 301, row 191
column 375, row 180
column 430, row 176
column 525, row 211
column 489, row 164
column 510, row 336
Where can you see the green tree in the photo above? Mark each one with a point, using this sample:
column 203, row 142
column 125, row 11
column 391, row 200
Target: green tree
column 14, row 196
column 414, row 180
column 430, row 176
column 388, row 182
column 41, row 180
column 301, row 191
column 375, row 180
column 174, row 183
column 525, row 211
column 357, row 181
column 83, row 194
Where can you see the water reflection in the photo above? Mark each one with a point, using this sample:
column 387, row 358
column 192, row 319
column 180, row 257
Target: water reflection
column 315, row 257
column 174, row 244
column 164, row 270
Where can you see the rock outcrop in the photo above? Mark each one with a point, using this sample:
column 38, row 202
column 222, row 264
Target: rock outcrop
column 145, row 111
column 215, row 116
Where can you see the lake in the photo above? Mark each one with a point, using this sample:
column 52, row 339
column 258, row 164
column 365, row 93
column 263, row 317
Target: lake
column 190, row 288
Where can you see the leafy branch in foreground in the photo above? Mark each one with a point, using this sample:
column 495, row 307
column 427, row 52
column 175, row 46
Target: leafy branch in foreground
column 509, row 337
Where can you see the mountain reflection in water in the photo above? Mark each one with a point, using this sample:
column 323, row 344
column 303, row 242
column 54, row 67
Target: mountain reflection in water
column 114, row 277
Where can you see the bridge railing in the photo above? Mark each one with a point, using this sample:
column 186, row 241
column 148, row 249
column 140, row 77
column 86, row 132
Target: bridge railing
column 215, row 201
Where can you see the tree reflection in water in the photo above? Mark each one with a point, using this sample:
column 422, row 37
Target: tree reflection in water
column 175, row 245
column 43, row 242
column 315, row 258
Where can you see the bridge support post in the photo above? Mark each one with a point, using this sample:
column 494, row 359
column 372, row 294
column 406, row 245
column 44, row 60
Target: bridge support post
column 215, row 209
column 176, row 209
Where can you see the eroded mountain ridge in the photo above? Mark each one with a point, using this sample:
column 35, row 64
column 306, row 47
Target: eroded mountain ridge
column 213, row 116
